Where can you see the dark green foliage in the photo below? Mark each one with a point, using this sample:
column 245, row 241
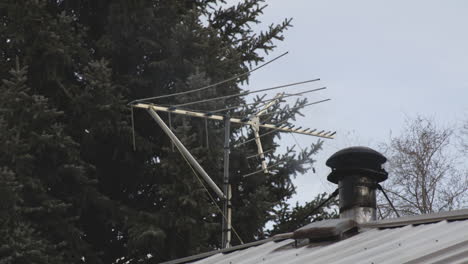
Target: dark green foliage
column 46, row 167
column 20, row 241
column 73, row 188
column 289, row 219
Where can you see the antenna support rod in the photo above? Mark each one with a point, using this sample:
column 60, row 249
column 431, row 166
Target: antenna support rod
column 186, row 153
column 256, row 128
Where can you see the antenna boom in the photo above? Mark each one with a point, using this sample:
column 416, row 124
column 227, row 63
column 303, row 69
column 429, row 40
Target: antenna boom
column 232, row 120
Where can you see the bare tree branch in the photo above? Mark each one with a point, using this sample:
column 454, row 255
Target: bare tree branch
column 424, row 176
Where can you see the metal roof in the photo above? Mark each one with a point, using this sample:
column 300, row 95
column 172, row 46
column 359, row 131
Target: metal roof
column 436, row 238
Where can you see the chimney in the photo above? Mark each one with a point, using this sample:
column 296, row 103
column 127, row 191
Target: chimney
column 357, row 171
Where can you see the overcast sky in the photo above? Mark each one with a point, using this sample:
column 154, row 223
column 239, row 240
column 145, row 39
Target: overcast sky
column 382, row 61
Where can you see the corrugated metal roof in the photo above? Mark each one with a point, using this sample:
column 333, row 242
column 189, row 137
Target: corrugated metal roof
column 442, row 242
column 432, row 238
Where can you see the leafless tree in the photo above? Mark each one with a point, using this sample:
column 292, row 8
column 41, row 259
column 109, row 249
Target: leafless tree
column 463, row 137
column 425, row 174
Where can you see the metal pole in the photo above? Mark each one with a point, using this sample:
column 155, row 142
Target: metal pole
column 229, row 217
column 186, row 153
column 226, row 237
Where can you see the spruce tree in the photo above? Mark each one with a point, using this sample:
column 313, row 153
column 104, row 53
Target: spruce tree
column 41, row 172
column 68, row 139
column 20, row 241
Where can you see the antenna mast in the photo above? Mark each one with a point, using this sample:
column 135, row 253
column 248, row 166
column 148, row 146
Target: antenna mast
column 254, row 122
column 226, row 224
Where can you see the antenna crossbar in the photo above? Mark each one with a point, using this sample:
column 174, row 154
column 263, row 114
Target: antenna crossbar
column 256, row 155
column 211, row 85
column 268, row 100
column 246, row 93
column 262, row 170
column 232, row 120
column 294, row 108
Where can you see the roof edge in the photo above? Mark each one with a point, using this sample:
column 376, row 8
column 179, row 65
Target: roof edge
column 231, row 249
column 418, row 219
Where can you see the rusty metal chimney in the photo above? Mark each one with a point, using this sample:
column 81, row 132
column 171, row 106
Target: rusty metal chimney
column 357, row 171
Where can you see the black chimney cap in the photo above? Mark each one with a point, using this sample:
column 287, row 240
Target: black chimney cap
column 357, row 158
column 356, row 154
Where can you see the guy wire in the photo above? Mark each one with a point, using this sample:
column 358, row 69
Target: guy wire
column 211, row 85
column 297, row 142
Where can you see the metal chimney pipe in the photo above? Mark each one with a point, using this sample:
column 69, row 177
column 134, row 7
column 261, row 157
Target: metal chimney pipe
column 357, row 171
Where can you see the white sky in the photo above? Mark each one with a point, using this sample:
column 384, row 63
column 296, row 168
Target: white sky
column 382, row 61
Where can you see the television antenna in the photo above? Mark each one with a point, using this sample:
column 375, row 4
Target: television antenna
column 254, row 122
